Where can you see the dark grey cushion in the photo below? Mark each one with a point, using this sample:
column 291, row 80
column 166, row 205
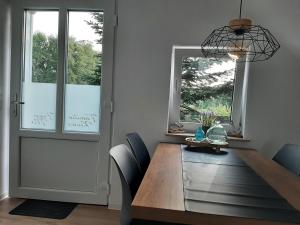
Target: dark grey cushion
column 289, row 157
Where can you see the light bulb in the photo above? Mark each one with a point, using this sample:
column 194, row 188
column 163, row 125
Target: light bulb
column 233, row 56
column 238, row 49
column 236, row 54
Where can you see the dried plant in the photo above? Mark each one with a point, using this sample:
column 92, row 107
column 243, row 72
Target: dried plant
column 207, row 118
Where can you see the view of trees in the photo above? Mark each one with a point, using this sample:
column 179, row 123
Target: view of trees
column 204, row 90
column 44, row 58
column 97, row 24
column 84, row 63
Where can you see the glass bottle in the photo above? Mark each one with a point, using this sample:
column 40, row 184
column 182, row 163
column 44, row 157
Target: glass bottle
column 217, row 133
column 199, row 134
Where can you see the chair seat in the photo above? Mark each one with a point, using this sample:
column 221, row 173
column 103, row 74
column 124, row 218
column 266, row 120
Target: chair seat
column 289, row 157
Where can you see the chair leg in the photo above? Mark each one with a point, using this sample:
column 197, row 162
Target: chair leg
column 125, row 218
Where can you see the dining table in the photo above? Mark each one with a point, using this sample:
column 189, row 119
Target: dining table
column 185, row 185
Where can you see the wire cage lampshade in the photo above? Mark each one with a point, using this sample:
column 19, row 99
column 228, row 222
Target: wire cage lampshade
column 241, row 41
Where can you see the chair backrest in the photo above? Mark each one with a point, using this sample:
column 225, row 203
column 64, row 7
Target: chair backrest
column 130, row 176
column 139, row 150
column 289, row 157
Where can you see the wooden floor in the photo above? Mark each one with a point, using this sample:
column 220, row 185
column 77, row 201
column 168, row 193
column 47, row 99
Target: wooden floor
column 81, row 215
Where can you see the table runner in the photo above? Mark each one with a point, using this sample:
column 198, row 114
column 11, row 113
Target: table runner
column 222, row 184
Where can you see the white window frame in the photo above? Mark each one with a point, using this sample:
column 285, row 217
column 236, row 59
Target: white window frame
column 105, row 109
column 178, row 52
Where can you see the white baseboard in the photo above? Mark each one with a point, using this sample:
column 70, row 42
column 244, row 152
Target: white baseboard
column 3, row 196
column 114, row 206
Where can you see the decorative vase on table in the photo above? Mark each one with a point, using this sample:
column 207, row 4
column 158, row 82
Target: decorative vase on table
column 199, row 134
column 217, row 134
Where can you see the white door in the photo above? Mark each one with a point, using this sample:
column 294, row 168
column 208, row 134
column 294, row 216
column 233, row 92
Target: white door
column 62, row 59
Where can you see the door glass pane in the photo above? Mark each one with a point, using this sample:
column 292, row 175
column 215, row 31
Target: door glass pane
column 83, row 81
column 40, row 70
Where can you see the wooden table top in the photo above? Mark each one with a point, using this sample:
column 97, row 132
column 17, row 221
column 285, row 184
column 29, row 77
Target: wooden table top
column 160, row 196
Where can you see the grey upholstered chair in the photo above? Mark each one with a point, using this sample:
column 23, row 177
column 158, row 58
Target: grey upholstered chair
column 131, row 178
column 139, row 151
column 289, row 157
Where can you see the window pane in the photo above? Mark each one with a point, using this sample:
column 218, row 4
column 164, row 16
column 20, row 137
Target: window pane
column 207, row 87
column 40, row 70
column 82, row 92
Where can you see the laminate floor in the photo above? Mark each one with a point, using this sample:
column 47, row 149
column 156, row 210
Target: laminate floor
column 81, row 215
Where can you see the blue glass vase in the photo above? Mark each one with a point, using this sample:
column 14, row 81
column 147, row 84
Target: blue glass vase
column 199, row 134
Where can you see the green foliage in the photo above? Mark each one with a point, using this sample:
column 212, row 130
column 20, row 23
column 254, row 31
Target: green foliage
column 44, row 58
column 84, row 63
column 222, row 110
column 219, row 106
column 199, row 95
column 97, row 25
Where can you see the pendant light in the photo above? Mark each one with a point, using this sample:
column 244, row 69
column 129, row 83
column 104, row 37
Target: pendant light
column 241, row 41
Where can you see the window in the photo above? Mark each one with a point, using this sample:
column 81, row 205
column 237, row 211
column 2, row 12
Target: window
column 74, row 71
column 207, row 86
column 201, row 86
column 40, row 70
column 83, row 79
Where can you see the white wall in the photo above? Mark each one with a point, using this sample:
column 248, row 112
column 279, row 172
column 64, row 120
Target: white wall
column 4, row 95
column 146, row 32
column 273, row 105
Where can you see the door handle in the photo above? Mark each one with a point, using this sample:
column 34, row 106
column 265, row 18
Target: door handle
column 16, row 102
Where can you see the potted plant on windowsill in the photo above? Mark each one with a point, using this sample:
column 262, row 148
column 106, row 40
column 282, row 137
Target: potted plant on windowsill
column 207, row 119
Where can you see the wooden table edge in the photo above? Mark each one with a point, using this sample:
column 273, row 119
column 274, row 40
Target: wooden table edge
column 194, row 218
column 168, row 155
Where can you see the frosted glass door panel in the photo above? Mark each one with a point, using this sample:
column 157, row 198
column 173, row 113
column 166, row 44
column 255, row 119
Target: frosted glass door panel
column 83, row 79
column 39, row 108
column 40, row 70
column 82, row 108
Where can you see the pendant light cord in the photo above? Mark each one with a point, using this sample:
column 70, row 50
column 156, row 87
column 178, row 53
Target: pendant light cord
column 241, row 5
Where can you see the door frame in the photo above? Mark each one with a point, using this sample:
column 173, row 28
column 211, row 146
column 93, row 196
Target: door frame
column 104, row 139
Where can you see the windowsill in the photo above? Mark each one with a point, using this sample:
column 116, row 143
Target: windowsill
column 183, row 135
